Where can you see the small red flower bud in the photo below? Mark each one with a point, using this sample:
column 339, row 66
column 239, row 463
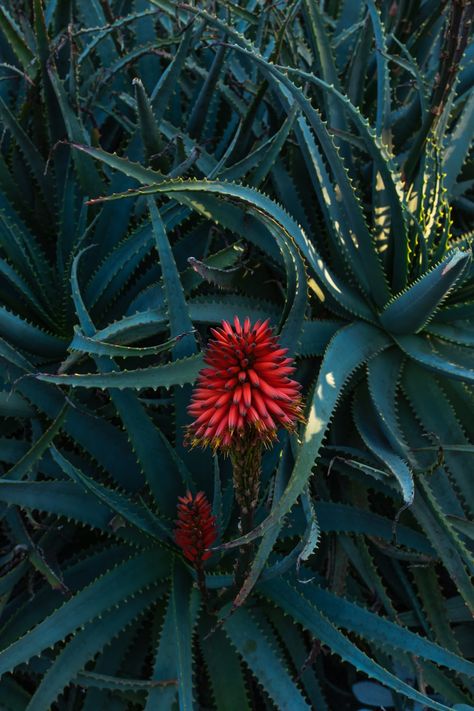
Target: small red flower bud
column 245, row 388
column 196, row 528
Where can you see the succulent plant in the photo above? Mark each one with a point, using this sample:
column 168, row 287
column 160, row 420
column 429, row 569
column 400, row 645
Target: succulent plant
column 165, row 167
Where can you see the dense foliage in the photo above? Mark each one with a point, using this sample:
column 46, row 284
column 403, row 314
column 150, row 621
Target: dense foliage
column 165, row 166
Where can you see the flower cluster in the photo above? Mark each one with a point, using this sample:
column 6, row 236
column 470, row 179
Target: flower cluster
column 196, row 527
column 246, row 387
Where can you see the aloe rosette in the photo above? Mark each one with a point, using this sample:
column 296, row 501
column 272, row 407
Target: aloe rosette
column 310, row 166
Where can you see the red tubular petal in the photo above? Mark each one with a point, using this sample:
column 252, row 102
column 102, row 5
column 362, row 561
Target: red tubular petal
column 263, row 327
column 237, row 395
column 274, row 409
column 218, row 415
column 227, row 328
column 223, row 399
column 254, row 379
column 247, row 394
column 237, row 325
column 260, row 404
column 231, row 383
column 272, row 392
column 233, row 415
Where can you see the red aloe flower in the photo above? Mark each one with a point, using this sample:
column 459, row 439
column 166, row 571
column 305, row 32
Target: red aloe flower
column 196, row 528
column 246, row 388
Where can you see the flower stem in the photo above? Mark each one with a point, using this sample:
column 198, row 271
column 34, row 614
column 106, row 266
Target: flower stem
column 247, row 464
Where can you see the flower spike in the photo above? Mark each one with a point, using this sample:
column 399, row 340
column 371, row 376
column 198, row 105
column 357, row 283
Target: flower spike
column 196, row 528
column 245, row 389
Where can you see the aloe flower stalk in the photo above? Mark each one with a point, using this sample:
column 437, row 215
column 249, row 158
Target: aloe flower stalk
column 195, row 532
column 243, row 396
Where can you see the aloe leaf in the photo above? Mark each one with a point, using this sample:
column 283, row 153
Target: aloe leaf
column 16, row 40
column 203, row 101
column 166, row 84
column 149, row 130
column 445, row 360
column 13, row 405
column 93, row 346
column 76, row 575
column 113, row 587
column 336, row 221
column 89, row 177
column 202, row 310
column 383, row 378
column 274, row 150
column 137, row 515
column 180, row 372
column 316, row 336
column 165, row 665
column 462, row 333
column 342, row 518
column 85, row 645
column 106, row 443
column 182, row 632
column 28, row 336
column 380, row 630
column 24, row 252
column 146, row 176
column 177, row 308
column 292, row 639
column 34, row 454
column 61, row 498
column 293, row 603
column 444, row 539
column 351, row 347
column 109, row 29
column 225, row 671
column 263, row 660
column 28, row 149
column 428, row 399
column 94, row 680
column 13, row 694
column 367, row 426
column 296, row 289
column 383, row 76
column 411, row 310
column 322, row 52
column 17, row 281
column 458, row 143
column 434, row 606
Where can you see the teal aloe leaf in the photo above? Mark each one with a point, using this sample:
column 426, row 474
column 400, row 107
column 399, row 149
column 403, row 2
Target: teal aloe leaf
column 183, row 631
column 102, row 594
column 179, row 372
column 263, row 659
column 136, row 514
column 411, row 310
column 366, row 422
column 438, row 356
column 295, row 604
column 85, row 645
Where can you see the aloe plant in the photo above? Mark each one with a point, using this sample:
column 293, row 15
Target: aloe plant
column 165, row 167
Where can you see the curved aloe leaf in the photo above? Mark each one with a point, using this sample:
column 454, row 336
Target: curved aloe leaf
column 411, row 310
column 102, row 594
column 292, row 602
column 374, row 439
